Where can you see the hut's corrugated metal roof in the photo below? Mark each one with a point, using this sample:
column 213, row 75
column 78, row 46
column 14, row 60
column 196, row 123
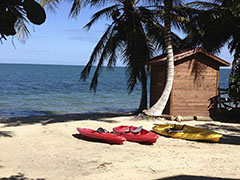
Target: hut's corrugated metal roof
column 186, row 53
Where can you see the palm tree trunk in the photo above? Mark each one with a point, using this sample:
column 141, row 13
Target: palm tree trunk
column 143, row 102
column 158, row 107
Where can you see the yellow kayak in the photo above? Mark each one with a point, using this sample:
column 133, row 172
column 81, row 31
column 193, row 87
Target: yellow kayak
column 187, row 132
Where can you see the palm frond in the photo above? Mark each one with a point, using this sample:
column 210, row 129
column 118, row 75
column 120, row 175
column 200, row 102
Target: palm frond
column 108, row 53
column 104, row 56
column 138, row 51
column 20, row 25
column 116, row 42
column 50, row 5
column 209, row 29
column 106, row 12
column 202, row 5
column 75, row 9
column 96, row 52
column 97, row 2
column 21, row 29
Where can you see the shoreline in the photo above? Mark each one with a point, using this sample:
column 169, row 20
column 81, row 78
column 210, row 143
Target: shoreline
column 58, row 118
column 45, row 148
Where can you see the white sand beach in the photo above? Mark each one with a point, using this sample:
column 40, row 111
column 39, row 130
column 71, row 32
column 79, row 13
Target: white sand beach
column 47, row 148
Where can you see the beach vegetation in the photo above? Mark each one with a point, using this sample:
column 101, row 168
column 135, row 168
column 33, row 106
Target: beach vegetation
column 75, row 10
column 135, row 34
column 158, row 107
column 234, row 84
column 137, row 31
column 175, row 15
column 215, row 25
column 16, row 14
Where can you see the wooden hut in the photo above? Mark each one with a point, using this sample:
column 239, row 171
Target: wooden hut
column 196, row 81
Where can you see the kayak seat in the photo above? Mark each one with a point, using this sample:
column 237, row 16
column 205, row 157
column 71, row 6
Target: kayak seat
column 100, row 130
column 174, row 129
column 134, row 131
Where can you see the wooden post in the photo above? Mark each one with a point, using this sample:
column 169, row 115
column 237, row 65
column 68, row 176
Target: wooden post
column 202, row 118
column 169, row 117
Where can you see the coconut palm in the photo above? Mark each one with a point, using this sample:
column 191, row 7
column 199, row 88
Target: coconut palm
column 134, row 34
column 214, row 25
column 12, row 18
column 15, row 14
column 158, row 107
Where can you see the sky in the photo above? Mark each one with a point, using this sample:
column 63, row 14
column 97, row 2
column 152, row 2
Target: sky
column 61, row 40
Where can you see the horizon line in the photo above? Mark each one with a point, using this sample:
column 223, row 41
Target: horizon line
column 50, row 64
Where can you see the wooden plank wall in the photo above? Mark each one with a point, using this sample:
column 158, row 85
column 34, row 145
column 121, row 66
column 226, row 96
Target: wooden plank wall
column 194, row 83
column 158, row 77
column 158, row 80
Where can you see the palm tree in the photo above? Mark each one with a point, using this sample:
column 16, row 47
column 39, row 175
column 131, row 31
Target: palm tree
column 12, row 18
column 15, row 14
column 133, row 35
column 158, row 107
column 214, row 25
column 135, row 31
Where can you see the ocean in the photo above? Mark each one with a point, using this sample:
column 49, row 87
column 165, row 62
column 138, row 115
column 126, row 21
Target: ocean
column 37, row 90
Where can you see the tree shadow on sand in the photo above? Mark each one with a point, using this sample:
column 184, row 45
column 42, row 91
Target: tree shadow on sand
column 19, row 176
column 233, row 138
column 5, row 134
column 190, row 177
column 227, row 139
column 49, row 119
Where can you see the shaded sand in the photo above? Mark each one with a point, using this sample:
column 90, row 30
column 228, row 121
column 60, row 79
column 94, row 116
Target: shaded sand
column 48, row 148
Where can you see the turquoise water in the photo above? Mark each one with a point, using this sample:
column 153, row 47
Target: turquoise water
column 33, row 90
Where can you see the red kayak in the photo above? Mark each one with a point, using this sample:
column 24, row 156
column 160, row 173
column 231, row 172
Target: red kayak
column 101, row 134
column 136, row 134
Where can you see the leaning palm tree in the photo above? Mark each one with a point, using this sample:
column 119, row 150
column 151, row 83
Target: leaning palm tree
column 158, row 107
column 133, row 35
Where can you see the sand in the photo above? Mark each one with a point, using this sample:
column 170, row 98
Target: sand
column 47, row 148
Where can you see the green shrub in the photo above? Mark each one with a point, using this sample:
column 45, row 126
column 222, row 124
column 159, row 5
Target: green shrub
column 234, row 83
